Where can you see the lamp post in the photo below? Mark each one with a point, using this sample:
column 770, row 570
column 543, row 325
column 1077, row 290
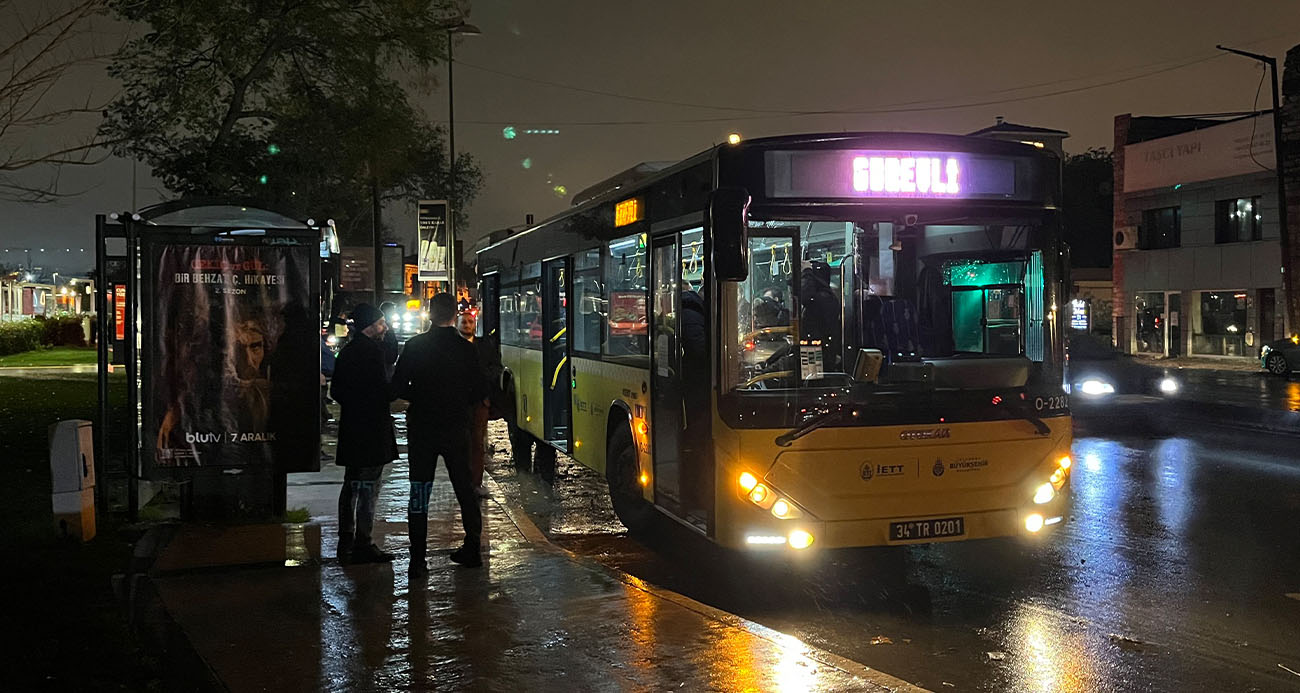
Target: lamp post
column 462, row 29
column 1291, row 304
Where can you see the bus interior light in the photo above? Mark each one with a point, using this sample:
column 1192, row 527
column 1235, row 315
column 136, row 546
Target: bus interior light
column 799, row 539
column 747, row 481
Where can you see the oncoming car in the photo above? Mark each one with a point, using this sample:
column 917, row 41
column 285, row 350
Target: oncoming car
column 1095, row 371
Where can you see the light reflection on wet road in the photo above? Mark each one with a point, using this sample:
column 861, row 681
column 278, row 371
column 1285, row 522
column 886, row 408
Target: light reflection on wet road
column 1171, row 575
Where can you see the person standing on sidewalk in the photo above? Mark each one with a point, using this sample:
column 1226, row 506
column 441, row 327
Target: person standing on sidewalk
column 466, row 324
column 389, row 342
column 366, row 438
column 438, row 373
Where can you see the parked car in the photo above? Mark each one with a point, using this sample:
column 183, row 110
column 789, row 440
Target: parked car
column 1281, row 356
column 1095, row 371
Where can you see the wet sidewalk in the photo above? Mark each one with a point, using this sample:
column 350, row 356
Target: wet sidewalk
column 534, row 617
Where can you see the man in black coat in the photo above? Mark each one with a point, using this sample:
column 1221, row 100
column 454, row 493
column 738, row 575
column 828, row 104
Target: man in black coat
column 439, row 374
column 366, row 438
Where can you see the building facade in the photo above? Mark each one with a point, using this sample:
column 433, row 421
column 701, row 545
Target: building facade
column 1197, row 263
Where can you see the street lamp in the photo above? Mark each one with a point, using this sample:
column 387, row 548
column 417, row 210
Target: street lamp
column 462, row 29
column 1289, row 287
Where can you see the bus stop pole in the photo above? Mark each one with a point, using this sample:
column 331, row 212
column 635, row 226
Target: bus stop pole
column 132, row 370
column 102, row 286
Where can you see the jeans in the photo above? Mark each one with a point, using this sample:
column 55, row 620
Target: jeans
column 424, row 449
column 357, row 501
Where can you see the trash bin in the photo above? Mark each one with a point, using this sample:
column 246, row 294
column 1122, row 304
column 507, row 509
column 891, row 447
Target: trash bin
column 72, row 473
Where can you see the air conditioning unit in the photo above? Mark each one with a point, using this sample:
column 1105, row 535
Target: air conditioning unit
column 1126, row 237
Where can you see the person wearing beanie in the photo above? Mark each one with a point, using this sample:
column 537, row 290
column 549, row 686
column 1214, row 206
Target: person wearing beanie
column 367, row 440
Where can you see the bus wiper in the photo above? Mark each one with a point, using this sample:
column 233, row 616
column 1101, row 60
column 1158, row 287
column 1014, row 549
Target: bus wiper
column 1040, row 426
column 809, row 426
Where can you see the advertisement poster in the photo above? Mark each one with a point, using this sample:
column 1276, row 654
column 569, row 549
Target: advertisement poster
column 356, row 269
column 234, row 357
column 433, row 229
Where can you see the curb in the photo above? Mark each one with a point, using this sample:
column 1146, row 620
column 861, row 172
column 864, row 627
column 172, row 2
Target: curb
column 519, row 517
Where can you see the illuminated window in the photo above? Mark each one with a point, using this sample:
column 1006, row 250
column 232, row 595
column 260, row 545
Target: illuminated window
column 1238, row 220
column 626, row 274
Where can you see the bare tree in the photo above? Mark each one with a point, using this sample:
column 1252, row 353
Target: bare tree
column 43, row 126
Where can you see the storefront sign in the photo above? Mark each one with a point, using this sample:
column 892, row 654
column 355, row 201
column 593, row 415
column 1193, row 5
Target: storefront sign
column 1079, row 314
column 1232, row 149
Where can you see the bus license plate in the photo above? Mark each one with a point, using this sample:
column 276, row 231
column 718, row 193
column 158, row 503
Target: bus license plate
column 927, row 529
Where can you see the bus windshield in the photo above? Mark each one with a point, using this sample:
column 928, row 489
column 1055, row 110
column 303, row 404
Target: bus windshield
column 940, row 306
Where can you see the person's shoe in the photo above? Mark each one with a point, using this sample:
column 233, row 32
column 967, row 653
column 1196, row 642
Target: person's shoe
column 418, row 571
column 344, row 551
column 481, row 492
column 466, row 556
column 371, row 554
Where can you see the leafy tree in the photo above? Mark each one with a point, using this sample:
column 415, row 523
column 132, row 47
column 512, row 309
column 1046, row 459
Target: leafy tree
column 1088, row 181
column 294, row 104
column 39, row 50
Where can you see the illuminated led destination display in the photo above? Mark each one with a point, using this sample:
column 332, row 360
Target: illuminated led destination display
column 890, row 174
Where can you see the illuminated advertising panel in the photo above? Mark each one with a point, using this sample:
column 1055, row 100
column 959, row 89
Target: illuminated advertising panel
column 884, row 174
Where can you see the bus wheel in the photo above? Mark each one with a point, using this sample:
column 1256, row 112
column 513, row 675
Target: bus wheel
column 624, row 488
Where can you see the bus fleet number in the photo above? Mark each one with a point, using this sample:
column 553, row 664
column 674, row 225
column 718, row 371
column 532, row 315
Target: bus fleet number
column 1053, row 402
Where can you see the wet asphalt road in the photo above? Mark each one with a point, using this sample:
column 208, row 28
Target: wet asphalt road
column 1247, row 388
column 1179, row 570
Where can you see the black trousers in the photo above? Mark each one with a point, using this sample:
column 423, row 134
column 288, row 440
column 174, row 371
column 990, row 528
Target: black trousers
column 357, row 501
column 424, row 448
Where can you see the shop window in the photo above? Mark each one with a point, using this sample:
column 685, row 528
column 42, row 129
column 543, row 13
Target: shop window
column 1238, row 220
column 1161, row 228
column 1219, row 326
column 1150, row 327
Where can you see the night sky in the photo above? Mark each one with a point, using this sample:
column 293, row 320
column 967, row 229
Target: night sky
column 1152, row 58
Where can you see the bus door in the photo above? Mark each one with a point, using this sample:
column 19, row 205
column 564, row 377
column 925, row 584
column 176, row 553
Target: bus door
column 680, row 413
column 555, row 351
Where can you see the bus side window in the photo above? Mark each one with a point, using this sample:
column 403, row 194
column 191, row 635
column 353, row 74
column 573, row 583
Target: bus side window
column 589, row 320
column 628, row 330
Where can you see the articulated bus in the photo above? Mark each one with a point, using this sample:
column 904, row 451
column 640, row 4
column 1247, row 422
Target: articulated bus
column 796, row 342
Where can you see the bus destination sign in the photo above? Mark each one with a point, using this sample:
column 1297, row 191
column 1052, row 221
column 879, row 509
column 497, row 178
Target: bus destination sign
column 888, row 174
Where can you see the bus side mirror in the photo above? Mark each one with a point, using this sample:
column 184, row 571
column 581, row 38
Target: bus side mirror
column 729, row 223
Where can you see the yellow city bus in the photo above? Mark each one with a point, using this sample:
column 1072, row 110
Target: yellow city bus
column 803, row 341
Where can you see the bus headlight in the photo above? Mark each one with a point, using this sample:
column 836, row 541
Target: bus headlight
column 747, row 482
column 762, row 496
column 1034, row 522
column 800, row 539
column 785, row 510
column 1044, row 494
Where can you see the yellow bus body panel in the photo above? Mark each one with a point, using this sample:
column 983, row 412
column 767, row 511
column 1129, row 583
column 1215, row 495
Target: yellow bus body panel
column 525, row 367
column 598, row 386
column 850, row 483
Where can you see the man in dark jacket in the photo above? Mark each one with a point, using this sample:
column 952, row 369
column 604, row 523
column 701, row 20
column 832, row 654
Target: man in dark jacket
column 366, row 438
column 438, row 373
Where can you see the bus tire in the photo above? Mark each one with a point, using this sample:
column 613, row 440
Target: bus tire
column 630, row 506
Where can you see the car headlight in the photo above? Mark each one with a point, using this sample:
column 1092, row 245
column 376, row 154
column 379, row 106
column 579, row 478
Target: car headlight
column 1168, row 385
column 1096, row 387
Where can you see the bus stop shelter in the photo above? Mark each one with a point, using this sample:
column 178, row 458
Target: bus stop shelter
column 219, row 307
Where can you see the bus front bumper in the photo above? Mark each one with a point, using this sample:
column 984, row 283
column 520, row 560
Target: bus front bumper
column 1028, row 521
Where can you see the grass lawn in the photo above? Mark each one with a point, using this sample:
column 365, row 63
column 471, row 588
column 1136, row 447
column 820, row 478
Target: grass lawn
column 55, row 356
column 72, row 635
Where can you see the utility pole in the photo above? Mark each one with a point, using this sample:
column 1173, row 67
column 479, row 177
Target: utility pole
column 1292, row 301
